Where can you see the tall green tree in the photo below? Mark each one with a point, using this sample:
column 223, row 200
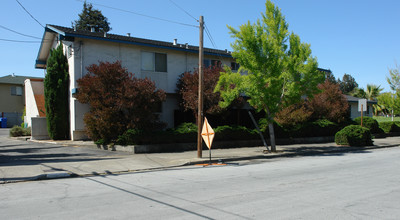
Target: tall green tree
column 394, row 79
column 91, row 18
column 56, row 87
column 394, row 83
column 347, row 84
column 276, row 67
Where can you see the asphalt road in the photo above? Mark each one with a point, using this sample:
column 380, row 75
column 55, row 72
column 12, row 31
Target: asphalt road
column 21, row 153
column 362, row 185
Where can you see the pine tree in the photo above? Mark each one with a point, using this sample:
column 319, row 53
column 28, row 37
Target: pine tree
column 91, row 18
column 56, row 86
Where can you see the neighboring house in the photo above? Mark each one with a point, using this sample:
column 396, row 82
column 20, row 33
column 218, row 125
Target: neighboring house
column 12, row 98
column 160, row 61
column 353, row 107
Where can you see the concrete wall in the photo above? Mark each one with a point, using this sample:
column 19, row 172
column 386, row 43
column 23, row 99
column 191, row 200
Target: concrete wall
column 39, row 128
column 31, row 107
column 87, row 52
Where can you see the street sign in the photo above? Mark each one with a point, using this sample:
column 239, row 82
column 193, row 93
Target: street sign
column 207, row 133
column 362, row 103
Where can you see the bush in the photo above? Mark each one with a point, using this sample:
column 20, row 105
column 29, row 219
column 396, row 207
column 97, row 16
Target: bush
column 18, row 131
column 185, row 128
column 370, row 123
column 354, row 135
column 225, row 133
column 389, row 126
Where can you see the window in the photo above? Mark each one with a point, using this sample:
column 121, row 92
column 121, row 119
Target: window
column 207, row 63
column 154, row 62
column 16, row 90
column 234, row 66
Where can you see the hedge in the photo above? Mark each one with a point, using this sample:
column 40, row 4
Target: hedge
column 354, row 135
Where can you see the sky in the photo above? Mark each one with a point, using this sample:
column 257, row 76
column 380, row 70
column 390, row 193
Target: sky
column 357, row 37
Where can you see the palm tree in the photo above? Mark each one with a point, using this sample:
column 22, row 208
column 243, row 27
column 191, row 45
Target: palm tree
column 372, row 91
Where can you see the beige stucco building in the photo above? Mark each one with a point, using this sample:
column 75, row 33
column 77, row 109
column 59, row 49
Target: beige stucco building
column 160, row 61
column 12, row 98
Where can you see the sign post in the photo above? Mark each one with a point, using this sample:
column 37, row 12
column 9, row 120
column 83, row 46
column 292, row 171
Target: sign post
column 208, row 135
column 361, row 104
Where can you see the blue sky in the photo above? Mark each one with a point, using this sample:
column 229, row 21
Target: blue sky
column 358, row 37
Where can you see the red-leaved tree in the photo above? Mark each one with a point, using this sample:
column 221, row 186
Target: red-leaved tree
column 188, row 85
column 118, row 101
column 330, row 104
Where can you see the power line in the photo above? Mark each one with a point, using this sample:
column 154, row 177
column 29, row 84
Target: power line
column 20, row 41
column 210, row 37
column 29, row 13
column 8, row 29
column 143, row 15
column 183, row 10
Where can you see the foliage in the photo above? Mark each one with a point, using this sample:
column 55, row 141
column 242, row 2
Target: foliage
column 330, row 77
column 389, row 126
column 329, row 104
column 293, row 115
column 279, row 67
column 90, row 17
column 187, row 88
column 56, row 88
column 371, row 92
column 369, row 123
column 18, row 131
column 118, row 101
column 234, row 133
column 394, row 79
column 186, row 128
column 354, row 135
column 347, row 84
column 389, row 102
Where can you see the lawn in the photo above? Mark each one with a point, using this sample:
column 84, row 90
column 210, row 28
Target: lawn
column 383, row 119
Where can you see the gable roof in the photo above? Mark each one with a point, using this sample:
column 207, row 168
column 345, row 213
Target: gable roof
column 69, row 34
column 15, row 80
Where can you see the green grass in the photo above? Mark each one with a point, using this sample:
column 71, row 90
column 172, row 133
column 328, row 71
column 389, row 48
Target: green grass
column 383, row 119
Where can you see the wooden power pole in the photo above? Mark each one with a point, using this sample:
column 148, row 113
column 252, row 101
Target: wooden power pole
column 200, row 107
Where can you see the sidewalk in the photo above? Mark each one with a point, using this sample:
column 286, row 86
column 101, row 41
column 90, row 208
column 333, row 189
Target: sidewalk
column 145, row 162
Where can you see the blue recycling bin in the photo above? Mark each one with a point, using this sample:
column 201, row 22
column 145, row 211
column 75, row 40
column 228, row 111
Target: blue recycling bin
column 3, row 122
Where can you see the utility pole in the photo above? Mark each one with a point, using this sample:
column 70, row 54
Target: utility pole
column 200, row 105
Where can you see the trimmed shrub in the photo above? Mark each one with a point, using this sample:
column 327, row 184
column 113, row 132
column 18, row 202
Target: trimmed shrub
column 389, row 126
column 370, row 123
column 185, row 128
column 18, row 131
column 354, row 135
column 225, row 133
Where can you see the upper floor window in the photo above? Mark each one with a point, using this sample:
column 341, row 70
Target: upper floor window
column 154, row 62
column 207, row 63
column 16, row 90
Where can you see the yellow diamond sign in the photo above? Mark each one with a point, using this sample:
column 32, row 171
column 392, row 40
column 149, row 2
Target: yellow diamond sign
column 207, row 133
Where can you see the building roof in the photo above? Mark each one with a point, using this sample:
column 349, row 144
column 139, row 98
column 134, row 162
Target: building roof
column 355, row 99
column 16, row 80
column 69, row 34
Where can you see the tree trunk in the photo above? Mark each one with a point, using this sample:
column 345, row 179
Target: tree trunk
column 272, row 136
column 271, row 131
